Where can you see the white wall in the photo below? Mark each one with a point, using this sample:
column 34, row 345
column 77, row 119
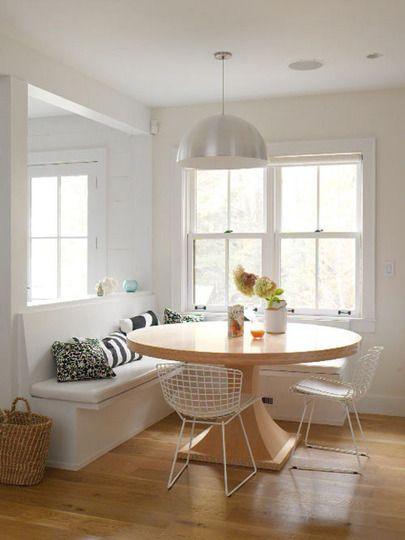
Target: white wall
column 129, row 188
column 368, row 114
column 47, row 74
column 13, row 226
column 21, row 65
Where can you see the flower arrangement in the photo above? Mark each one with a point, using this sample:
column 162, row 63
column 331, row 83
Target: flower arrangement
column 261, row 286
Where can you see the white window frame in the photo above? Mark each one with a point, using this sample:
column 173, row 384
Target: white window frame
column 91, row 162
column 192, row 236
column 363, row 319
column 181, row 288
column 355, row 235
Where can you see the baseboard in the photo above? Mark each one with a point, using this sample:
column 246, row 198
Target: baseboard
column 382, row 404
column 327, row 421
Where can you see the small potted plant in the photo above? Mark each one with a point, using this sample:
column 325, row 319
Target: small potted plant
column 275, row 314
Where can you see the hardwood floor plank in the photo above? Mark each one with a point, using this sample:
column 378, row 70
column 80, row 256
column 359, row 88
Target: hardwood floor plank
column 123, row 495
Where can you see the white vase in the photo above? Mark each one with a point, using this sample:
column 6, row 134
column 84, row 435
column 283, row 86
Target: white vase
column 275, row 320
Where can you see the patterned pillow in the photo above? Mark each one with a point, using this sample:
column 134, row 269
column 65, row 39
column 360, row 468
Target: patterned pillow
column 140, row 321
column 116, row 351
column 79, row 360
column 172, row 317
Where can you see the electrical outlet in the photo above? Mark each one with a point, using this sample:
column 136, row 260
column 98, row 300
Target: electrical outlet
column 267, row 400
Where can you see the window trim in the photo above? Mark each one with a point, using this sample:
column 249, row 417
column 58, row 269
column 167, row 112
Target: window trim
column 365, row 318
column 94, row 161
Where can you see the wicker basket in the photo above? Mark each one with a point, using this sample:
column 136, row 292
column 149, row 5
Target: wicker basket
column 24, row 443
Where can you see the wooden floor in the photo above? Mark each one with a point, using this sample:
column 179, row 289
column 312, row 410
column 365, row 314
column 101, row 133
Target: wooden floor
column 123, row 496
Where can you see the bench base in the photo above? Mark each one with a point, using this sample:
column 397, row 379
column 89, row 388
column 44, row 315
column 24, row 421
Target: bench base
column 81, row 434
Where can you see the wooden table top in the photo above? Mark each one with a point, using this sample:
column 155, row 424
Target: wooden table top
column 208, row 342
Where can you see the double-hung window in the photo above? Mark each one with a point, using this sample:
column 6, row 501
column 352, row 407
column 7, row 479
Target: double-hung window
column 227, row 227
column 307, row 221
column 66, row 254
column 318, row 230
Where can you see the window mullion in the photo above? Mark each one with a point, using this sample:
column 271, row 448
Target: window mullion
column 226, row 272
column 228, row 206
column 59, row 257
column 318, row 225
column 316, row 273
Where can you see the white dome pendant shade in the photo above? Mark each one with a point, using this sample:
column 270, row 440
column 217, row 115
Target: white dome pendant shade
column 222, row 141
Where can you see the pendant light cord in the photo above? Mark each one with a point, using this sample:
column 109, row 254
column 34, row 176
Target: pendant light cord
column 223, row 85
column 223, row 55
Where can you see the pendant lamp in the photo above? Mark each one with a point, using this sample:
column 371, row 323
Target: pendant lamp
column 222, row 141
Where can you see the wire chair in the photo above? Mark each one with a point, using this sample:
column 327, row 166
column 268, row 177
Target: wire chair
column 205, row 394
column 345, row 393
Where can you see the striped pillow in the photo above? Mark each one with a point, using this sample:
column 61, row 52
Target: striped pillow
column 116, row 350
column 149, row 318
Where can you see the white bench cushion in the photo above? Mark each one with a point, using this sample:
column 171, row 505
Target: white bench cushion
column 331, row 367
column 127, row 377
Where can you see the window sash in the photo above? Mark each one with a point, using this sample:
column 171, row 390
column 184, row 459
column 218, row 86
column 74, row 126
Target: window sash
column 191, row 179
column 356, row 311
column 38, row 172
column 191, row 269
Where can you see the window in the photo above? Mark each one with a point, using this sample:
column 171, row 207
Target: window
column 65, row 230
column 307, row 221
column 227, row 228
column 318, row 234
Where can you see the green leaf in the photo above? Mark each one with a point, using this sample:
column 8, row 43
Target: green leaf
column 277, row 292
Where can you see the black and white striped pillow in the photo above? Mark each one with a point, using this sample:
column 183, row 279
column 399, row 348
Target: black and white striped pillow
column 149, row 318
column 116, row 350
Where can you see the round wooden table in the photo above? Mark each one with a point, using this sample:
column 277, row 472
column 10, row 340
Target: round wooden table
column 208, row 342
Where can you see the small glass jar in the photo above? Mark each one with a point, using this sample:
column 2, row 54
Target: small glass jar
column 130, row 285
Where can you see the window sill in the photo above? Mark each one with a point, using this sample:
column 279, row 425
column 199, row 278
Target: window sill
column 356, row 324
column 90, row 299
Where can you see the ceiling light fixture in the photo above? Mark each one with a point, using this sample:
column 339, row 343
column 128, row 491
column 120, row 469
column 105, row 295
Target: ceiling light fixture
column 305, row 65
column 222, row 141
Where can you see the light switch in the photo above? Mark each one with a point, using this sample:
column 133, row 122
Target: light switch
column 389, row 268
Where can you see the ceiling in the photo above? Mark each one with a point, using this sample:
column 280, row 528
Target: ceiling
column 160, row 51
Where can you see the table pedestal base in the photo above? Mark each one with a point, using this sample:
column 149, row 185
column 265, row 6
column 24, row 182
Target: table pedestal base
column 271, row 445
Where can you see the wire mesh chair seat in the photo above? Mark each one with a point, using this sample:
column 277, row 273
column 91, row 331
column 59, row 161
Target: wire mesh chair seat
column 205, row 394
column 344, row 393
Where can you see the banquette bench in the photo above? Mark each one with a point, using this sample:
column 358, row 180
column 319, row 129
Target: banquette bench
column 90, row 417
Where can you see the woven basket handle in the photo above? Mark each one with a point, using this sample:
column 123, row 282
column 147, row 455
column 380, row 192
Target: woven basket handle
column 17, row 399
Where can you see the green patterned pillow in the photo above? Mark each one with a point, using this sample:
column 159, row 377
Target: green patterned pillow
column 79, row 360
column 171, row 317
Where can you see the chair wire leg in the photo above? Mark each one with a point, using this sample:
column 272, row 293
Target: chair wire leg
column 309, row 423
column 224, row 459
column 301, row 421
column 331, row 449
column 190, row 442
column 252, row 459
column 353, row 437
column 172, row 480
column 363, row 438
